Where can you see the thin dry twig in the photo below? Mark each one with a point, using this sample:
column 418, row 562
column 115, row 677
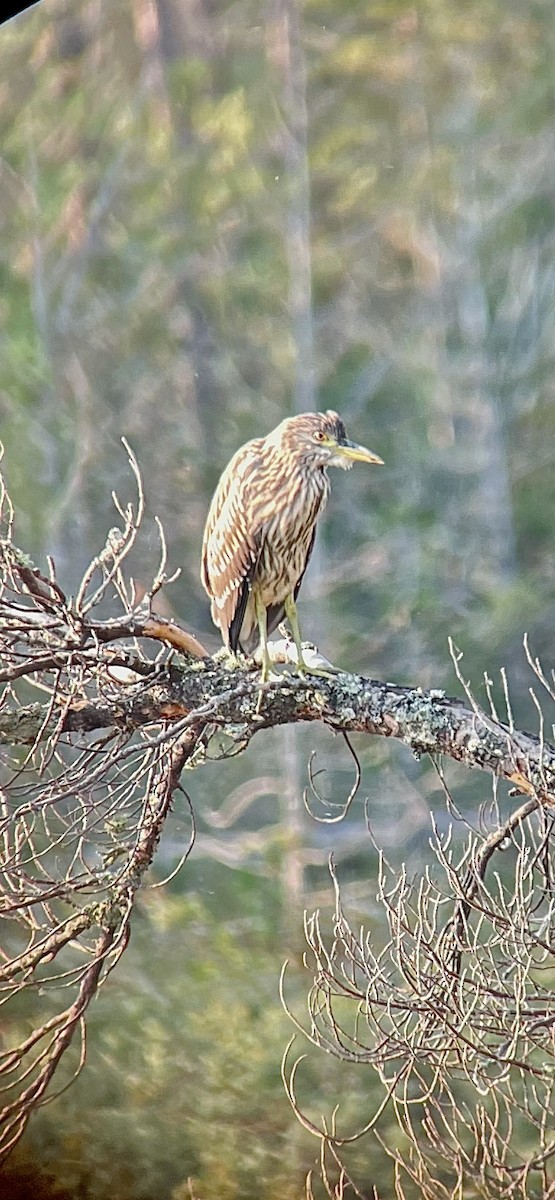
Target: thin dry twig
column 454, row 1013
column 80, row 814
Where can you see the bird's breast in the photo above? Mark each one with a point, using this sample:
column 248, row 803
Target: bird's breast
column 285, row 537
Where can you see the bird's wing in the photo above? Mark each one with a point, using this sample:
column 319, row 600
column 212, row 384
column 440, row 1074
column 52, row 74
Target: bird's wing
column 230, row 550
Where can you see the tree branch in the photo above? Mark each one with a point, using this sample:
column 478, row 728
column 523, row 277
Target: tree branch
column 428, row 722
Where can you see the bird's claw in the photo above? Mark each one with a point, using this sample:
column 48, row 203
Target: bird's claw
column 231, row 661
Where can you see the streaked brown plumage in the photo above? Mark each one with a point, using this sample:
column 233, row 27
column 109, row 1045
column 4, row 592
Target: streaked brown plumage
column 261, row 525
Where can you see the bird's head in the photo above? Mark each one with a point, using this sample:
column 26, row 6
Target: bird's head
column 319, row 440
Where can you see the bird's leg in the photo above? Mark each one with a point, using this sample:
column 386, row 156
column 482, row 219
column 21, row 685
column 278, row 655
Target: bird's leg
column 260, row 610
column 291, row 614
column 319, row 667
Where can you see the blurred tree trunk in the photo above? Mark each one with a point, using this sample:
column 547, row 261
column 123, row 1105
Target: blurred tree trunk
column 481, row 429
column 184, row 29
column 480, row 510
column 286, row 56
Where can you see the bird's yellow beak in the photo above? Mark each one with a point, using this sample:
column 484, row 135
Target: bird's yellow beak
column 356, row 453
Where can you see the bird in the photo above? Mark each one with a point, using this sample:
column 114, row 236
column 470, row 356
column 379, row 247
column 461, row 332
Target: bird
column 261, row 526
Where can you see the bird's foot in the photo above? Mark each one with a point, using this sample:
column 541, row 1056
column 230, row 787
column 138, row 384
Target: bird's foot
column 265, row 675
column 231, row 661
column 235, row 662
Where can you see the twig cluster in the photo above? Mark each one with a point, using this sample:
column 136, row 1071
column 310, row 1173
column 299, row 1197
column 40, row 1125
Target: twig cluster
column 80, row 815
column 454, row 1012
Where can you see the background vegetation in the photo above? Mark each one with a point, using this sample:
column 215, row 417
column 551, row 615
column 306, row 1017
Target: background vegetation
column 213, row 216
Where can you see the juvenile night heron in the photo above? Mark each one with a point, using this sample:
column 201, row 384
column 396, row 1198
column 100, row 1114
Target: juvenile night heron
column 261, row 525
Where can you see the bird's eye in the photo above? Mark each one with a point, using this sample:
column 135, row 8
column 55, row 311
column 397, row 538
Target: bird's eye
column 318, row 436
